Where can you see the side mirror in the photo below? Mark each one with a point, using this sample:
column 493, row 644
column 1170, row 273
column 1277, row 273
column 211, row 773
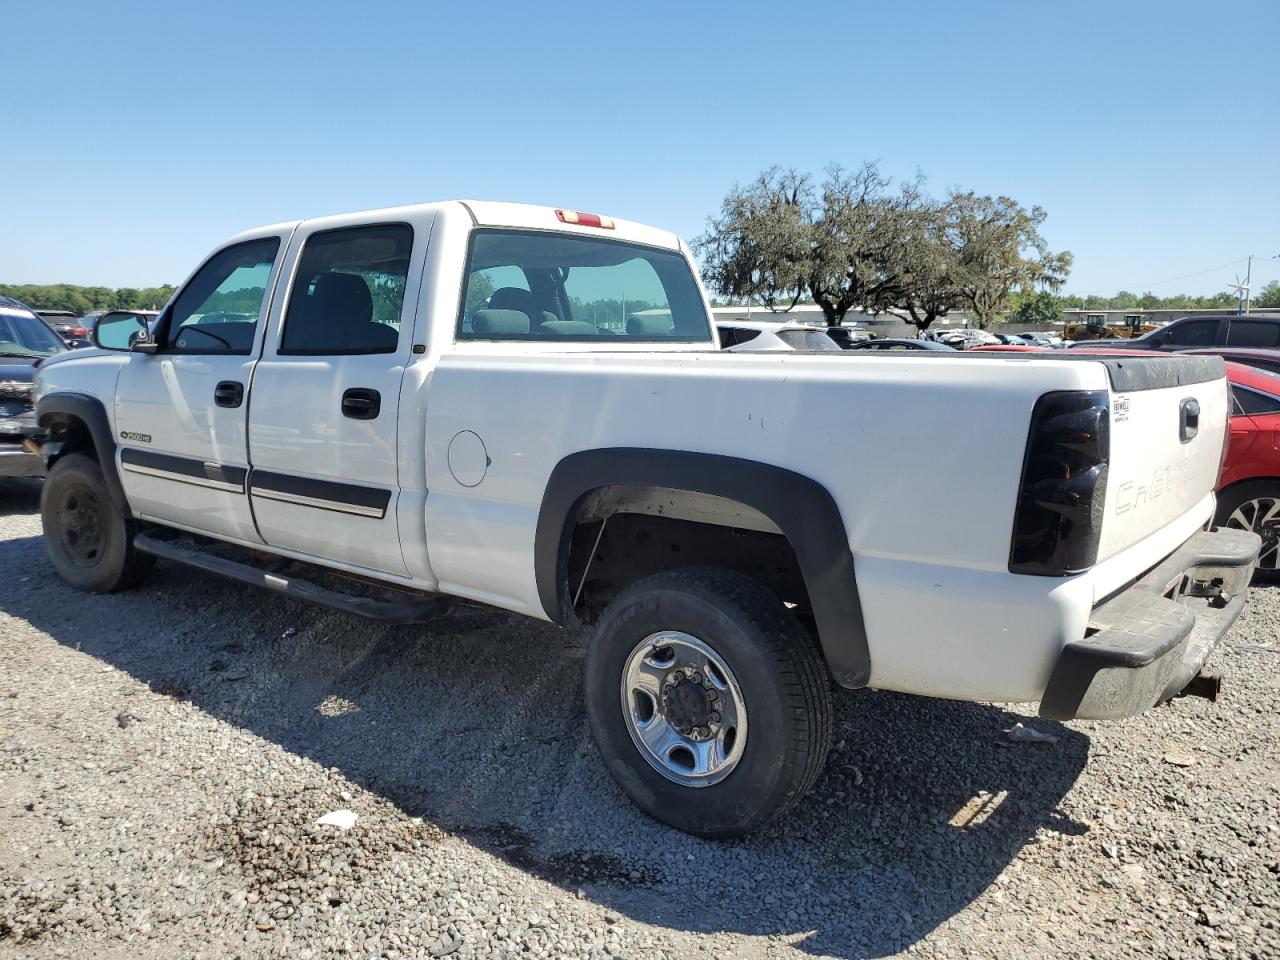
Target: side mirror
column 119, row 331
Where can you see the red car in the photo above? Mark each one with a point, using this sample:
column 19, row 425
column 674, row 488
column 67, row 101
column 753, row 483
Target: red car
column 1249, row 488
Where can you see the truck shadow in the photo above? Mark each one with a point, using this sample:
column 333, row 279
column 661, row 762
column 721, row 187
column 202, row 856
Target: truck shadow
column 476, row 724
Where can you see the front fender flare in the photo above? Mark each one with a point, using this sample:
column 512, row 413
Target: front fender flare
column 801, row 508
column 91, row 412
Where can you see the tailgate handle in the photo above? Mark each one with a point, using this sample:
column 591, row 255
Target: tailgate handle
column 1188, row 419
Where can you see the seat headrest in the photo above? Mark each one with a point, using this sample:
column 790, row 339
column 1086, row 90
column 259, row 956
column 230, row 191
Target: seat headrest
column 654, row 325
column 501, row 322
column 513, row 298
column 568, row 328
column 341, row 298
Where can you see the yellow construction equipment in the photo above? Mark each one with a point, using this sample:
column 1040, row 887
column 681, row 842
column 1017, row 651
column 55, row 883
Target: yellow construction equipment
column 1095, row 327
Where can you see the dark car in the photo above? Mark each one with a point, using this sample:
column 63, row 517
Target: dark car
column 25, row 340
column 1254, row 330
column 902, row 344
column 68, row 326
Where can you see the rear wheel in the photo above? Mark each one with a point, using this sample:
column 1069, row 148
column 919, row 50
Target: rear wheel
column 710, row 704
column 89, row 539
column 1255, row 505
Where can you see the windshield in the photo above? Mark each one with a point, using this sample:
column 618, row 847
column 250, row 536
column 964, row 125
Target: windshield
column 553, row 286
column 22, row 335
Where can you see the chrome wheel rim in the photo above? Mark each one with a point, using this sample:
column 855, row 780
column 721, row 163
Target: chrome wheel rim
column 684, row 709
column 1262, row 516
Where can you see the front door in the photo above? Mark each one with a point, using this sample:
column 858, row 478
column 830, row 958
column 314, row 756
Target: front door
column 322, row 421
column 180, row 412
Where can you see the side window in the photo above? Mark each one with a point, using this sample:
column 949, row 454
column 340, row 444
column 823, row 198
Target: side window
column 1253, row 333
column 1195, row 333
column 219, row 310
column 348, row 291
column 1252, row 402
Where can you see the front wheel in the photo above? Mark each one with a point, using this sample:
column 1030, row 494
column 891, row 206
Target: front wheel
column 1255, row 505
column 89, row 539
column 710, row 704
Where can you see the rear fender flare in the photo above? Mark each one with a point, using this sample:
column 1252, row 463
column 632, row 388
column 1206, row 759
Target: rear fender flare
column 799, row 506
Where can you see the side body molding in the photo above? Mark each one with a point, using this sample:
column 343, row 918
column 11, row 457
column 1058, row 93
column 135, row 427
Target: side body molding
column 800, row 507
column 90, row 411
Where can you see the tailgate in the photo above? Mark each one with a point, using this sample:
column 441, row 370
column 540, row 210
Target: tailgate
column 1168, row 425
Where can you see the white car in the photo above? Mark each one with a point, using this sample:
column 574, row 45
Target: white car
column 445, row 400
column 749, row 336
column 966, row 339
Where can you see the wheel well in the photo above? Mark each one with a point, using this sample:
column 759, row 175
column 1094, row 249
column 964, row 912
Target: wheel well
column 1242, row 482
column 73, row 434
column 620, row 534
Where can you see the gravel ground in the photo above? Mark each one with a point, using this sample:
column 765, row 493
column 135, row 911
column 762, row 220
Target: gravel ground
column 165, row 754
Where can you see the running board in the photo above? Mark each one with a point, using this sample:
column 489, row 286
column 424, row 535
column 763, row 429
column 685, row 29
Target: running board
column 411, row 611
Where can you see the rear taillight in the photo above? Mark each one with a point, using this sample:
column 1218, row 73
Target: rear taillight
column 79, row 332
column 1064, row 478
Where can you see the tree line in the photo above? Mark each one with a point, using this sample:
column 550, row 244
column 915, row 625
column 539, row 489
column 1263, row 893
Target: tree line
column 1045, row 307
column 858, row 240
column 84, row 300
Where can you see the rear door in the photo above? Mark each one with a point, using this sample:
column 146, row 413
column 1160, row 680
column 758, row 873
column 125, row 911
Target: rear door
column 180, row 412
column 322, row 421
column 1244, row 332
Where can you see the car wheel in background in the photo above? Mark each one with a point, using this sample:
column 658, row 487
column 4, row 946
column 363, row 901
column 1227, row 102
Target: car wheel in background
column 1255, row 505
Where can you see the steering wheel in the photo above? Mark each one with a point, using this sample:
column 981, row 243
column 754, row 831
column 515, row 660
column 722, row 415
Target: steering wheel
column 195, row 328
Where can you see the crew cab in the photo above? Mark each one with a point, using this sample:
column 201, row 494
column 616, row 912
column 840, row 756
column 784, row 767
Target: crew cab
column 526, row 407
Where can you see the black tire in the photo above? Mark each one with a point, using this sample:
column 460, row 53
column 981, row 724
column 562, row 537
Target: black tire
column 782, row 678
column 89, row 539
column 1267, row 492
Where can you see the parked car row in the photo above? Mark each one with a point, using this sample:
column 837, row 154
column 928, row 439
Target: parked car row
column 77, row 332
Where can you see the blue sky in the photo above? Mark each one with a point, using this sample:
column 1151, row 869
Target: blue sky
column 137, row 135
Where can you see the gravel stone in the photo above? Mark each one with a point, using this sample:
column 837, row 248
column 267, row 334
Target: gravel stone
column 165, row 753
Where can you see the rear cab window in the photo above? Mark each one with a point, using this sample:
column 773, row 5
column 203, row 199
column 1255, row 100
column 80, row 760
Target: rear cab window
column 532, row 285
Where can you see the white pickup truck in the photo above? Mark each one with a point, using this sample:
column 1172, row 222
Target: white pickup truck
column 525, row 407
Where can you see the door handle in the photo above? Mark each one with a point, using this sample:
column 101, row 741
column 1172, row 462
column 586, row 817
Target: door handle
column 361, row 403
column 228, row 393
